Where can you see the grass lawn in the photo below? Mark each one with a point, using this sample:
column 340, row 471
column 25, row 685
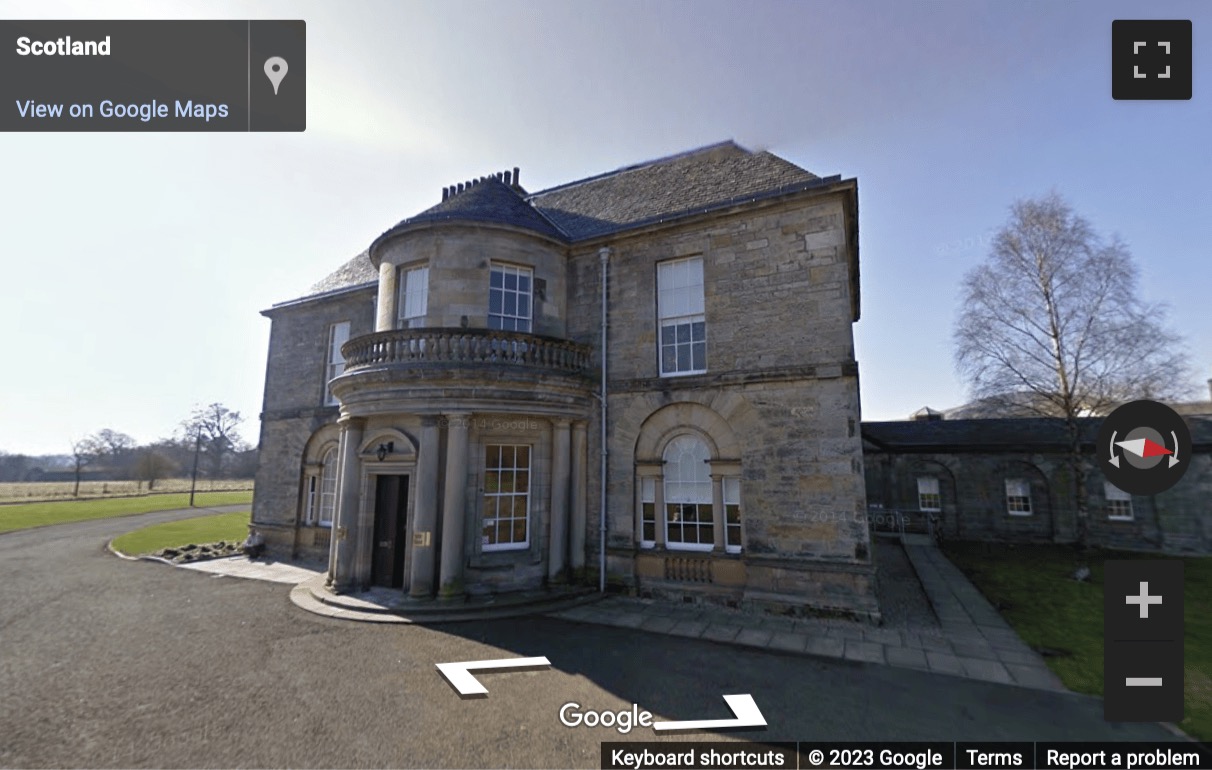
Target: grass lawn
column 25, row 515
column 203, row 529
column 1030, row 585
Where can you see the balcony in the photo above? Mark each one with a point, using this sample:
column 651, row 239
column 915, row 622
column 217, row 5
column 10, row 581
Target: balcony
column 446, row 347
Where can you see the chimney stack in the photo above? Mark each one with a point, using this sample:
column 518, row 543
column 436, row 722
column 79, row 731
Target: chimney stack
column 515, row 177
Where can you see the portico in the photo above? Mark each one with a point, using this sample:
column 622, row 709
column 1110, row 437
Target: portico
column 468, row 520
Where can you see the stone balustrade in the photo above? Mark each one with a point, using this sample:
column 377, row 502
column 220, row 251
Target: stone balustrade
column 483, row 347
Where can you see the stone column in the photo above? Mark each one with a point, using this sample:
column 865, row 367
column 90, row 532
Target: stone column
column 425, row 514
column 557, row 547
column 345, row 530
column 385, row 320
column 454, row 505
column 580, row 482
column 717, row 510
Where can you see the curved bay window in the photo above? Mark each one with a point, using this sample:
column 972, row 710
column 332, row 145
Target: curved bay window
column 689, row 518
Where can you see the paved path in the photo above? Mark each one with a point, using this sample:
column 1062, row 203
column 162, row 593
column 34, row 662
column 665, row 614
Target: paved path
column 259, row 569
column 971, row 641
column 113, row 663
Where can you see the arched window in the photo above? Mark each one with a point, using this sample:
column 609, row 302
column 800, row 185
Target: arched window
column 689, row 521
column 328, row 487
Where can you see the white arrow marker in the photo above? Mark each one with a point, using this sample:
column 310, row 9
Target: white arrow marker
column 743, row 706
column 459, row 674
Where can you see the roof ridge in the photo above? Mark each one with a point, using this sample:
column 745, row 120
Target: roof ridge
column 640, row 165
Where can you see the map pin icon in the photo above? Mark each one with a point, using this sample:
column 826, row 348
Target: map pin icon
column 275, row 70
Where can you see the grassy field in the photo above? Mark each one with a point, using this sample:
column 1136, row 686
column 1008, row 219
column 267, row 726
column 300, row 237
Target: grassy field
column 1031, row 587
column 35, row 491
column 28, row 515
column 203, row 529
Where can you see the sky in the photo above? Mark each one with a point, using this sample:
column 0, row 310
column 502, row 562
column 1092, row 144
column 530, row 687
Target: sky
column 134, row 267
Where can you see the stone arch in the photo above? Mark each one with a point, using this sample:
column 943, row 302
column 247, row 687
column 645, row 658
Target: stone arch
column 1039, row 525
column 320, row 442
column 666, row 423
column 403, row 446
column 948, row 491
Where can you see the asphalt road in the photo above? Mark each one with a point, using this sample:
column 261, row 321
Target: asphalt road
column 105, row 662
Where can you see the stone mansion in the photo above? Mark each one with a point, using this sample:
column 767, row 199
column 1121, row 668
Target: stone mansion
column 644, row 379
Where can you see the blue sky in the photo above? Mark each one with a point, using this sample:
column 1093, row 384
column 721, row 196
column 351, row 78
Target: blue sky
column 135, row 266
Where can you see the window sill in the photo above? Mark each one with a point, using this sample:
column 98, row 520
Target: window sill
column 668, row 375
column 1020, row 513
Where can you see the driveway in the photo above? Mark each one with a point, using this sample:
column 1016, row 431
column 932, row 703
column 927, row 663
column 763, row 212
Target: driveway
column 108, row 662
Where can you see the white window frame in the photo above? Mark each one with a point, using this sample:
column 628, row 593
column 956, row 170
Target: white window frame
column 1018, row 489
column 338, row 335
column 732, row 497
column 514, row 321
column 327, row 509
column 311, row 493
column 413, row 303
column 647, row 499
column 511, row 495
column 681, row 305
column 1116, row 495
column 675, row 491
column 928, row 486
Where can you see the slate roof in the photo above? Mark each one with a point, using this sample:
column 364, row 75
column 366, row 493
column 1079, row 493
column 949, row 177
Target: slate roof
column 1004, row 435
column 666, row 188
column 355, row 272
column 489, row 200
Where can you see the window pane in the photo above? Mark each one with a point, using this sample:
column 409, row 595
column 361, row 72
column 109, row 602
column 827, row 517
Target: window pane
column 706, row 533
column 699, row 331
column 511, row 304
column 669, row 359
column 507, row 456
column 496, row 280
column 519, row 531
column 523, row 456
column 492, row 482
column 519, row 507
column 649, row 532
column 524, row 306
column 493, row 456
column 683, row 358
column 506, row 481
column 521, row 482
column 683, row 333
column 524, row 283
column 494, row 302
column 489, row 533
column 699, row 351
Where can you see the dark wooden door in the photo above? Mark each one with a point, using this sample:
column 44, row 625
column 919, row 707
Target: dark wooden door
column 391, row 506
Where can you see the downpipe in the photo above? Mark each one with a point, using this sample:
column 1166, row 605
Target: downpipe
column 604, row 259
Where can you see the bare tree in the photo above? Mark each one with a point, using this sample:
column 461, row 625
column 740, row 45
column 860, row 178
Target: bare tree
column 215, row 427
column 1053, row 319
column 84, row 452
column 151, row 465
column 115, row 449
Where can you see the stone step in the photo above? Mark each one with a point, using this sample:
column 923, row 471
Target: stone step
column 393, row 603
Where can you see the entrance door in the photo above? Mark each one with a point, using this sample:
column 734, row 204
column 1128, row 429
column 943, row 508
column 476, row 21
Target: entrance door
column 391, row 506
